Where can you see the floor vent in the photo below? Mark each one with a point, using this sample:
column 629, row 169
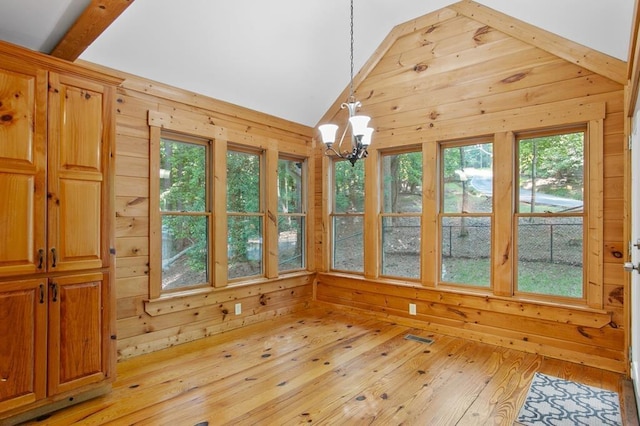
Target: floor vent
column 418, row 339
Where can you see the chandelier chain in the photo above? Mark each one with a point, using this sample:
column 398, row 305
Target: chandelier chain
column 351, row 57
column 360, row 132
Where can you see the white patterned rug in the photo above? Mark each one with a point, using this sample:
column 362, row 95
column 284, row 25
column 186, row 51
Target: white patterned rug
column 558, row 402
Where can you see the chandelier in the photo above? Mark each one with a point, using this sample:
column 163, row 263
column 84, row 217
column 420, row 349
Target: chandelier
column 360, row 132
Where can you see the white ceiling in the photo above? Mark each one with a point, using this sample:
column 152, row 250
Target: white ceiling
column 288, row 58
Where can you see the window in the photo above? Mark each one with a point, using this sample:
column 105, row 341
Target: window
column 401, row 214
column 347, row 217
column 550, row 213
column 291, row 215
column 466, row 213
column 245, row 218
column 185, row 212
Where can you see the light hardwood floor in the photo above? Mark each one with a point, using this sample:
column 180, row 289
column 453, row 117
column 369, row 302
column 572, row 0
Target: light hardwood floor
column 324, row 367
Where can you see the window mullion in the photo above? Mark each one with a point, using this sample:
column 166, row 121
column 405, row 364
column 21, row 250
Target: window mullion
column 155, row 219
column 503, row 206
column 220, row 264
column 270, row 205
column 595, row 212
column 430, row 221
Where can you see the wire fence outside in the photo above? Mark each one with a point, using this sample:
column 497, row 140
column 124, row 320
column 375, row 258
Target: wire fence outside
column 545, row 241
column 537, row 242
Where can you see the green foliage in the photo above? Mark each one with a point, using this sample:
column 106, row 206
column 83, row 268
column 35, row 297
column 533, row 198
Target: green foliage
column 244, row 245
column 554, row 164
column 183, row 189
column 349, row 186
column 184, row 165
column 402, row 173
column 289, row 186
column 243, row 182
column 290, row 224
column 243, row 196
column 409, row 171
column 462, row 164
column 189, row 234
column 456, row 159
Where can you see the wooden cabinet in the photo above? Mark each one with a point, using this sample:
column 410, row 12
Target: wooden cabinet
column 23, row 325
column 52, row 171
column 57, row 337
column 23, row 126
column 79, row 339
column 78, row 158
column 56, row 231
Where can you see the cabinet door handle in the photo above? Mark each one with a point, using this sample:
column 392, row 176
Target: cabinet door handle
column 54, row 289
column 40, row 258
column 41, row 293
column 54, row 258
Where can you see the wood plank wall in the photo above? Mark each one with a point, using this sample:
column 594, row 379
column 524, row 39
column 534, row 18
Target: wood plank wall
column 467, row 71
column 185, row 318
column 447, row 75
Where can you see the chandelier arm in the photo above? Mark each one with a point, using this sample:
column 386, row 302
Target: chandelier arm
column 330, row 150
column 344, row 133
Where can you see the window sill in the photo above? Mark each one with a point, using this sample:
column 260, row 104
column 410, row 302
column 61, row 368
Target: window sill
column 197, row 298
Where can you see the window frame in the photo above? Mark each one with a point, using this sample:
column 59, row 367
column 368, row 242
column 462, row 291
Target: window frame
column 441, row 215
column 502, row 239
column 333, row 215
column 417, row 149
column 303, row 214
column 145, row 196
column 584, row 214
column 260, row 213
column 156, row 214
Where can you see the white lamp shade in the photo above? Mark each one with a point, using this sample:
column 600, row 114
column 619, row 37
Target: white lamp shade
column 328, row 132
column 359, row 124
column 366, row 137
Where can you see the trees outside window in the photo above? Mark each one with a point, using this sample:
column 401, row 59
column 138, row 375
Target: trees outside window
column 550, row 213
column 401, row 214
column 291, row 215
column 466, row 213
column 185, row 213
column 245, row 218
column 347, row 217
column 223, row 213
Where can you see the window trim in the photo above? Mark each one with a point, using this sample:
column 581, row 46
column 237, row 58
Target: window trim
column 156, row 215
column 199, row 126
column 260, row 213
column 459, row 143
column 333, row 215
column 303, row 214
column 585, row 214
column 382, row 214
column 589, row 115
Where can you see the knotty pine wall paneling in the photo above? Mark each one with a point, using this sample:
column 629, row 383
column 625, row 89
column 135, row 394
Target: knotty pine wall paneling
column 163, row 324
column 468, row 71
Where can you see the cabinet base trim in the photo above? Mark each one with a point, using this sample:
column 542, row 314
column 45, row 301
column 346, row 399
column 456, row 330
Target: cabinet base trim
column 52, row 406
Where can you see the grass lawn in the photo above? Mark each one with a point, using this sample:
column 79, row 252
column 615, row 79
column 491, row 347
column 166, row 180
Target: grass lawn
column 533, row 277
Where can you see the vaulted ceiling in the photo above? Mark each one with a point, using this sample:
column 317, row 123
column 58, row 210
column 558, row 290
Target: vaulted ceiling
column 287, row 58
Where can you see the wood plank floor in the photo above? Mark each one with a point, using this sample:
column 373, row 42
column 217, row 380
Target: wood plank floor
column 324, row 367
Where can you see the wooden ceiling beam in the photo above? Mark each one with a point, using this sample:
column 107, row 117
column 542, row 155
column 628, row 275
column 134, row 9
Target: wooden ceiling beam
column 98, row 15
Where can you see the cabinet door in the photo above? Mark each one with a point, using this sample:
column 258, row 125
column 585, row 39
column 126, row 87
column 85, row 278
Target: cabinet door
column 78, row 155
column 23, row 322
column 78, row 331
column 23, row 91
